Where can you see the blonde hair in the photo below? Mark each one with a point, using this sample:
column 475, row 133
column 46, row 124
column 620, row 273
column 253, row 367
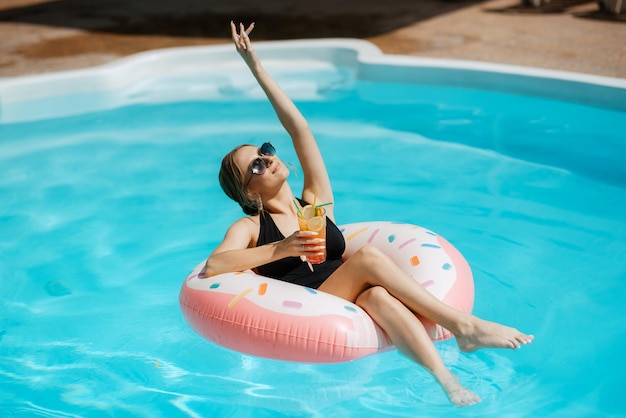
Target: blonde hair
column 232, row 179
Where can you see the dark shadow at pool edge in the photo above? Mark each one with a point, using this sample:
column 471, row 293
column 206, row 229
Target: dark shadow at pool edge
column 195, row 18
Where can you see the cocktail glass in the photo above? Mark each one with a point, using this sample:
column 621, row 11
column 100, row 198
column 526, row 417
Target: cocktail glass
column 315, row 222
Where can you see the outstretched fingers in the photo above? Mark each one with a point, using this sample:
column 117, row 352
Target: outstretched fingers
column 241, row 39
column 247, row 31
column 233, row 31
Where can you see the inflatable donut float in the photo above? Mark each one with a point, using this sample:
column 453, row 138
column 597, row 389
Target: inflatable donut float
column 270, row 318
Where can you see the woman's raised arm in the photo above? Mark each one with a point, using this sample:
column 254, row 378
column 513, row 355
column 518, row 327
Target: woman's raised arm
column 316, row 180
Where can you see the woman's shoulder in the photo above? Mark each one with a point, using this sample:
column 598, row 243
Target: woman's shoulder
column 246, row 228
column 247, row 221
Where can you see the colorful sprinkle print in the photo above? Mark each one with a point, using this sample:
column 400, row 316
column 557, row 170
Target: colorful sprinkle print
column 404, row 244
column 359, row 232
column 415, row 261
column 292, row 304
column 239, row 297
column 371, row 238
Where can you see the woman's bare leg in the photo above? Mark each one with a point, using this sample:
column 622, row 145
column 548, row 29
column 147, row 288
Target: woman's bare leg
column 369, row 267
column 410, row 337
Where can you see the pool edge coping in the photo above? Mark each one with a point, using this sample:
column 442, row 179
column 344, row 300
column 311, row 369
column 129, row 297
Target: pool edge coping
column 364, row 57
column 366, row 52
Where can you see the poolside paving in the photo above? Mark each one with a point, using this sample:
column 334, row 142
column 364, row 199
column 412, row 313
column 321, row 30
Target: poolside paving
column 41, row 35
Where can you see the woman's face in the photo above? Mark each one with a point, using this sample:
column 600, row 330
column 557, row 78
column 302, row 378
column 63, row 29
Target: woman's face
column 274, row 175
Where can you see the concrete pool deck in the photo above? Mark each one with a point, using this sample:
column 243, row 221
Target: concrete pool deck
column 571, row 35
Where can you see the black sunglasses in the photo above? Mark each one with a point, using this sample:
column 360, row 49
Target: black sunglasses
column 259, row 166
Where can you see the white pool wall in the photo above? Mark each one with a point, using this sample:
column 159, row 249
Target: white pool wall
column 217, row 73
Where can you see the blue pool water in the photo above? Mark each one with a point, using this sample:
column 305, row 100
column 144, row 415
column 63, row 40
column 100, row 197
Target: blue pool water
column 104, row 212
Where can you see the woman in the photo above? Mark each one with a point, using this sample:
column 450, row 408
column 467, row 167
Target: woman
column 266, row 241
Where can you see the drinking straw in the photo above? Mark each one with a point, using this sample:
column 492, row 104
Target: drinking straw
column 325, row 204
column 298, row 208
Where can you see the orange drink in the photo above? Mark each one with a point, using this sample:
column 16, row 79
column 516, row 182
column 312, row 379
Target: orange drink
column 315, row 222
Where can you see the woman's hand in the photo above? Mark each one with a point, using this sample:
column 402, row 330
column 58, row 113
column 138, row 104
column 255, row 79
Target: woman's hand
column 302, row 243
column 242, row 42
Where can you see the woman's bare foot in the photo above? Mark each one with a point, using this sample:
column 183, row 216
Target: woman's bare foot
column 457, row 394
column 480, row 334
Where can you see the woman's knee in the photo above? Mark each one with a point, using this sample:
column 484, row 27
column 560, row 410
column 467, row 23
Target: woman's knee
column 369, row 255
column 373, row 296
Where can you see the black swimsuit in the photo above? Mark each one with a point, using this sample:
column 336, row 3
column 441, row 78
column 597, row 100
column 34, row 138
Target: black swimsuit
column 293, row 269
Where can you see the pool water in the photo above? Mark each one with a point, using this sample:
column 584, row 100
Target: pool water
column 105, row 212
